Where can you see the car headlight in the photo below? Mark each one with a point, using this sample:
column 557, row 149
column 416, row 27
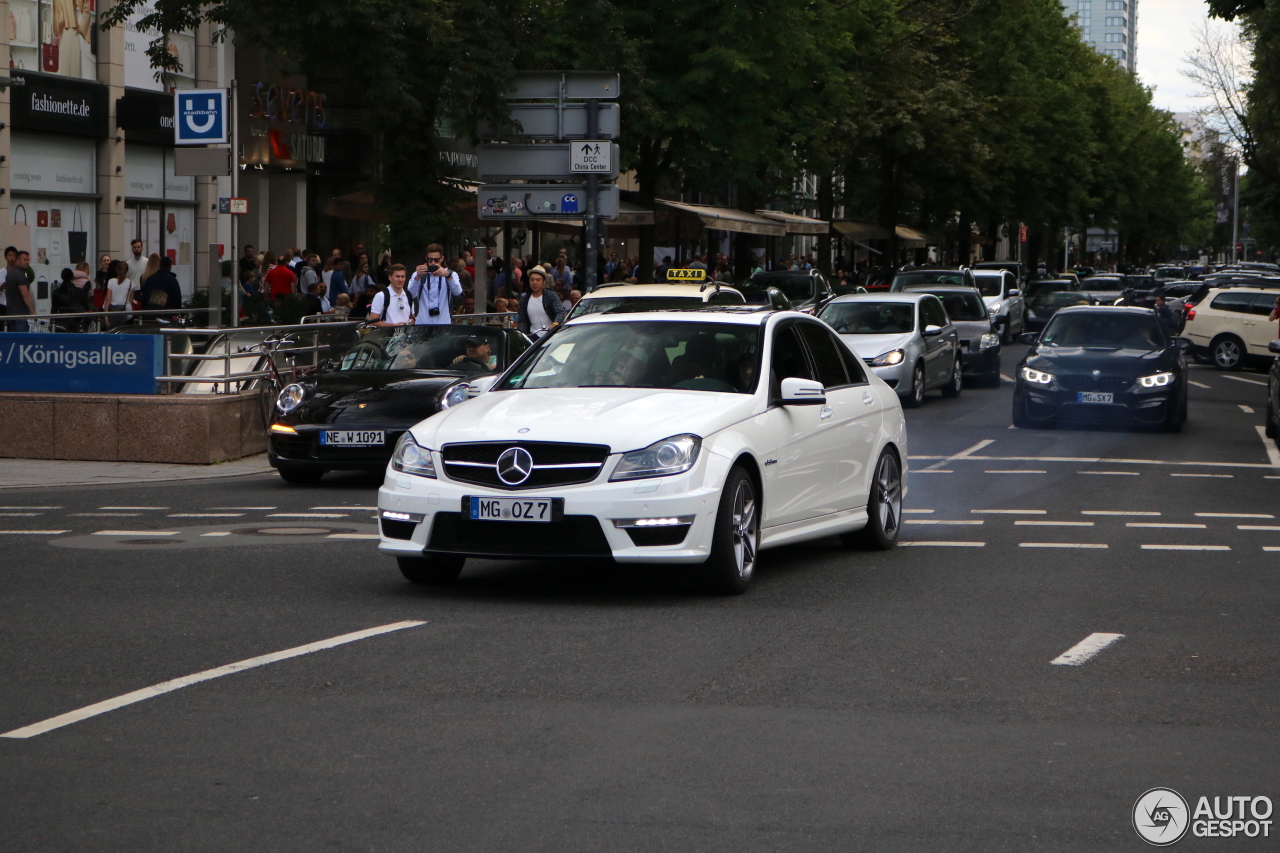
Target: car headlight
column 1036, row 376
column 994, row 309
column 888, row 358
column 455, row 394
column 290, row 398
column 988, row 341
column 1156, row 380
column 412, row 458
column 673, row 455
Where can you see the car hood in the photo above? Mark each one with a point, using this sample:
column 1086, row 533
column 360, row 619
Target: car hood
column 870, row 346
column 623, row 418
column 1111, row 362
column 359, row 398
column 992, row 301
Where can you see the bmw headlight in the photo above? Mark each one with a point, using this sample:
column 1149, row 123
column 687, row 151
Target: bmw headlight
column 412, row 458
column 988, row 341
column 1156, row 380
column 455, row 394
column 889, row 358
column 1036, row 376
column 673, row 455
column 290, row 398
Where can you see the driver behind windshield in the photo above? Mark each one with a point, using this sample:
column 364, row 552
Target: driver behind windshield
column 478, row 356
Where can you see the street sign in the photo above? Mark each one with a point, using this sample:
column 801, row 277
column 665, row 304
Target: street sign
column 234, row 206
column 542, row 121
column 200, row 116
column 543, row 201
column 591, row 157
column 540, row 162
column 578, row 85
column 84, row 364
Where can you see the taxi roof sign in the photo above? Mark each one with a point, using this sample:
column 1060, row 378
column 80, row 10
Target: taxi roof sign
column 686, row 275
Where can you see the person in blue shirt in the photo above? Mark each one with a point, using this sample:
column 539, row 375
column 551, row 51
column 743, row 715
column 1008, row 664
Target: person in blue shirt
column 433, row 288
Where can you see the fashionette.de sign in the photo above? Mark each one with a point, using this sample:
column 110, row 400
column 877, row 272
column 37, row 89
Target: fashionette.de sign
column 82, row 364
column 55, row 104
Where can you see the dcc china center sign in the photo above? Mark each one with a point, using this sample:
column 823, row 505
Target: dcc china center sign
column 82, row 364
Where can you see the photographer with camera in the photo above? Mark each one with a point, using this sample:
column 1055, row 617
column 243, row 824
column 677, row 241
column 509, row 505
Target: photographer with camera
column 433, row 288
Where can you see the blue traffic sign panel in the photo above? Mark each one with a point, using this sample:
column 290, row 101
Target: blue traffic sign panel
column 200, row 116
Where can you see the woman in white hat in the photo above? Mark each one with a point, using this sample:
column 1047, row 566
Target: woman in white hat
column 540, row 309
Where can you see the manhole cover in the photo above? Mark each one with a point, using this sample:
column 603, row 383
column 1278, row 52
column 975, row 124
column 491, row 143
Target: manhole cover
column 148, row 542
column 290, row 531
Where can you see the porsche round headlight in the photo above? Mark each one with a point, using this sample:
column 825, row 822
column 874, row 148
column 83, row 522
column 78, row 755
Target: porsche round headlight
column 290, row 398
column 455, row 394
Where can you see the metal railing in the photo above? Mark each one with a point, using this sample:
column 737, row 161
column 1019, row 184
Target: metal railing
column 271, row 349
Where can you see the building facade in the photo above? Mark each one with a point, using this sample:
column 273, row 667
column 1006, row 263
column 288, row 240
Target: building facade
column 1109, row 27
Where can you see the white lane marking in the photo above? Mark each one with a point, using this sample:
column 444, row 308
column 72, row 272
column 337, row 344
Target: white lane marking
column 353, row 536
column 941, row 521
column 307, row 515
column 1273, row 452
column 30, row 507
column 348, row 508
column 1115, row 512
column 1210, row 476
column 1242, row 379
column 1271, row 527
column 205, row 514
column 1009, row 511
column 157, row 508
column 1092, row 545
column 136, row 533
column 1012, row 426
column 963, row 454
column 187, row 680
column 20, row 514
column 1271, row 547
column 1113, row 473
column 921, row 511
column 1166, row 524
column 1198, row 384
column 104, row 514
column 1248, row 410
column 1234, row 515
column 1186, row 547
column 1006, row 378
column 1014, row 471
column 218, row 533
column 242, row 507
column 1098, row 460
column 1037, row 523
column 1085, row 649
column 941, row 544
column 1271, row 476
column 933, row 471
column 32, row 532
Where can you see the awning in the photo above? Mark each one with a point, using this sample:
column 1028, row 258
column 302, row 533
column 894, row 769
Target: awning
column 860, row 230
column 359, row 206
column 797, row 224
column 728, row 219
column 909, row 238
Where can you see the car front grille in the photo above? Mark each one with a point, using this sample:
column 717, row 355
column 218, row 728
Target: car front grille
column 573, row 536
column 554, row 463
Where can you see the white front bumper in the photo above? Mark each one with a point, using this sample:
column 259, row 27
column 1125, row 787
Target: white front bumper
column 695, row 493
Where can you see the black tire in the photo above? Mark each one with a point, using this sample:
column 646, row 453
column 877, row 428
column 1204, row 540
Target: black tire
column 736, row 540
column 1270, row 426
column 301, row 476
column 956, row 384
column 432, row 569
column 884, row 508
column 915, row 394
column 1227, row 352
column 1176, row 416
column 1200, row 356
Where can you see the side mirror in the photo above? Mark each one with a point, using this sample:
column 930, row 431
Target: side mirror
column 932, row 331
column 1185, row 344
column 1029, row 338
column 1014, row 292
column 1274, row 346
column 802, row 392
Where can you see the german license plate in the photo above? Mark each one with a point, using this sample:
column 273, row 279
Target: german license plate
column 1092, row 397
column 514, row 509
column 353, row 437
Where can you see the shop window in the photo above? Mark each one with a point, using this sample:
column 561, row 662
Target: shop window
column 54, row 36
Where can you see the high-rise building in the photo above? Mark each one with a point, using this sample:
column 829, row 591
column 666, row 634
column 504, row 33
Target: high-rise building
column 1109, row 26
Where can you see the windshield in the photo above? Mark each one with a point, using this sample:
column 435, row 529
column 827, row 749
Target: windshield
column 470, row 349
column 989, row 285
column 650, row 354
column 871, row 318
column 1105, row 331
column 1058, row 299
column 633, row 304
column 1102, row 284
column 962, row 306
column 795, row 286
column 907, row 279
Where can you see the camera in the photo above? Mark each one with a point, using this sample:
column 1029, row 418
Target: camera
column 433, row 312
column 433, row 268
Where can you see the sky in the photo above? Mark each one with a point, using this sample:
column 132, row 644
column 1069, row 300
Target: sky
column 1167, row 33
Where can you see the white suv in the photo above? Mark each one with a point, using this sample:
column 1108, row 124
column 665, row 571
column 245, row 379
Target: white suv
column 1231, row 325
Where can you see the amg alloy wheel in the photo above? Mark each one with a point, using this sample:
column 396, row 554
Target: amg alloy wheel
column 736, row 539
column 884, row 508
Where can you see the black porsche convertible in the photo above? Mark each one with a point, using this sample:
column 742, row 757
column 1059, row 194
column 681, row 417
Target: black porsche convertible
column 350, row 413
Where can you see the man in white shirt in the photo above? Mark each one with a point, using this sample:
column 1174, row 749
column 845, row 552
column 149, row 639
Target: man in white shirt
column 434, row 286
column 138, row 263
column 393, row 306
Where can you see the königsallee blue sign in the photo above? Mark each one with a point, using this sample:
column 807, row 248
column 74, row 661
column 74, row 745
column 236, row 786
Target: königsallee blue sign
column 84, row 364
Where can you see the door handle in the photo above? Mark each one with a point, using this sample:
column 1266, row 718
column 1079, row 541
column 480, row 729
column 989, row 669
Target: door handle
column 826, row 412
column 867, row 398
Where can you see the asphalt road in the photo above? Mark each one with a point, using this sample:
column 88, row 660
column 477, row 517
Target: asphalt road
column 903, row 701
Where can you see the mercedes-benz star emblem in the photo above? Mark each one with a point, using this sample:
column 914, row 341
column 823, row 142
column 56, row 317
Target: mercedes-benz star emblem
column 514, row 466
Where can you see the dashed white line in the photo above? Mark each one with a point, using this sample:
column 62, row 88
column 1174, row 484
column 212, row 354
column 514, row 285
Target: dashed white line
column 1009, row 511
column 1248, row 410
column 1116, row 512
column 348, row 508
column 1170, row 525
column 1022, row 522
column 1242, row 379
column 1113, row 473
column 136, row 533
column 1273, row 452
column 941, row 544
column 1086, row 545
column 920, row 511
column 20, row 514
column 32, row 532
column 1271, row 528
column 1006, row 378
column 1209, row 476
column 306, row 515
column 968, row 451
column 104, row 514
column 933, row 471
column 215, row 508
column 1234, row 515
column 1085, row 649
column 1198, row 384
column 187, row 680
column 353, row 536
column 1186, row 547
column 1271, row 547
column 30, row 507
column 1014, row 471
column 156, row 508
column 941, row 521
column 217, row 533
column 205, row 514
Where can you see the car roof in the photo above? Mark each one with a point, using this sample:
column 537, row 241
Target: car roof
column 891, row 296
column 988, row 271
column 672, row 289
column 1108, row 309
column 940, row 288
column 744, row 315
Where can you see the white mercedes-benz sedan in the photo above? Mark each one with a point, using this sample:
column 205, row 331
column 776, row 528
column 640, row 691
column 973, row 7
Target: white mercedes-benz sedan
column 697, row 437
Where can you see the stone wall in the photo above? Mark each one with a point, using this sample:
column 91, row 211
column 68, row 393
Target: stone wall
column 198, row 429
